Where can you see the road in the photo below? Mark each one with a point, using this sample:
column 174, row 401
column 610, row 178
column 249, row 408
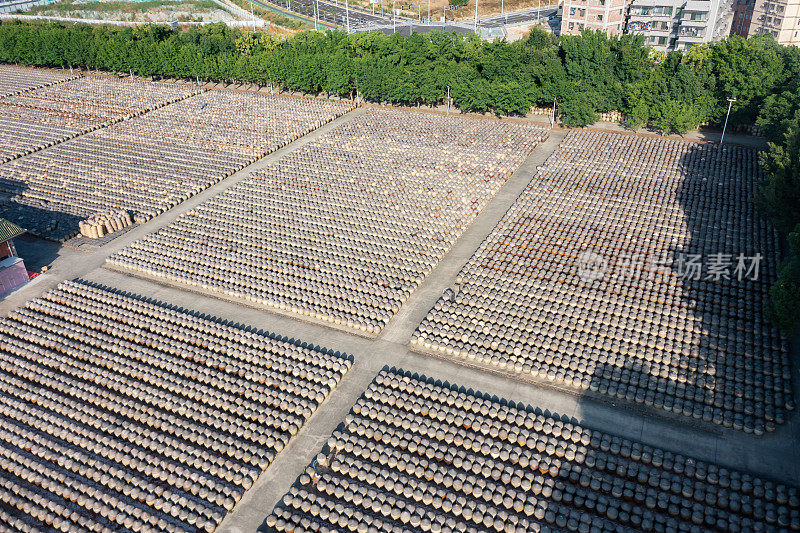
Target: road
column 406, row 28
column 518, row 17
column 336, row 14
column 330, row 14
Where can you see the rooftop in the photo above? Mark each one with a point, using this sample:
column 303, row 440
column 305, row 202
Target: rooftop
column 9, row 230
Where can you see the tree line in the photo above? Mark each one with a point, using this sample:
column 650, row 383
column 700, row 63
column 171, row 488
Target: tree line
column 779, row 198
column 586, row 74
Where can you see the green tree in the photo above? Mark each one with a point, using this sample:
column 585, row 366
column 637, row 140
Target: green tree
column 783, row 306
column 778, row 194
column 777, row 114
column 575, row 109
column 635, row 107
column 745, row 69
column 589, row 63
column 589, row 73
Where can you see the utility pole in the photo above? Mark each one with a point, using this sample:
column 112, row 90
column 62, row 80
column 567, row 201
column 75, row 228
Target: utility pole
column 730, row 103
column 476, row 16
column 347, row 13
column 316, row 13
column 553, row 119
column 394, row 20
column 448, row 100
column 429, row 11
column 252, row 16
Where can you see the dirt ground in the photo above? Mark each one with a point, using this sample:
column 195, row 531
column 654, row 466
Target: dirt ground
column 137, row 11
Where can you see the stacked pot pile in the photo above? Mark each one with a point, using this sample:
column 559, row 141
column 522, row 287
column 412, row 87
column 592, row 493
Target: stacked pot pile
column 101, row 224
column 14, row 80
column 253, row 123
column 153, row 162
column 40, row 118
column 417, row 456
column 120, row 414
column 586, row 283
column 343, row 229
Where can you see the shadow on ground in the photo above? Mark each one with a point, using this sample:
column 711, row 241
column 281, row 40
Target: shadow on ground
column 700, row 344
column 40, row 217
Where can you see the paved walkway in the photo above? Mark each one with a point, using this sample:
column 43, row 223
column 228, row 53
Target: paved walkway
column 773, row 455
column 702, row 135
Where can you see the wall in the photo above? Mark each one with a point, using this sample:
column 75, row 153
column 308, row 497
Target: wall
column 21, row 5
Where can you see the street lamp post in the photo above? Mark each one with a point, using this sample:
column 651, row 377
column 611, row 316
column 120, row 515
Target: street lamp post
column 724, row 126
column 347, row 14
column 252, row 16
column 448, row 99
column 429, row 11
column 316, row 13
column 394, row 19
column 476, row 16
column 553, row 118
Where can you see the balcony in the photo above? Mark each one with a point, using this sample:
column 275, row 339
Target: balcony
column 694, row 17
column 651, row 11
column 691, row 32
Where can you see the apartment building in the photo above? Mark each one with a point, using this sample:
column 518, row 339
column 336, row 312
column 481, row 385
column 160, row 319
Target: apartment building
column 679, row 24
column 742, row 16
column 604, row 15
column 781, row 18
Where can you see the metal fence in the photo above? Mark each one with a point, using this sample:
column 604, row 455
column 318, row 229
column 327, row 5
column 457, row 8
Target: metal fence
column 405, row 27
column 21, row 5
